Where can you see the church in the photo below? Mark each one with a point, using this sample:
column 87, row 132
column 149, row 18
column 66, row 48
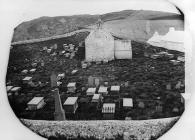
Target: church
column 101, row 45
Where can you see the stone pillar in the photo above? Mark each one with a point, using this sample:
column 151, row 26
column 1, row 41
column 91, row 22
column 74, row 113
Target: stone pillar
column 59, row 114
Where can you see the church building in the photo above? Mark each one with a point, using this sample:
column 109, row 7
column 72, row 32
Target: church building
column 101, row 45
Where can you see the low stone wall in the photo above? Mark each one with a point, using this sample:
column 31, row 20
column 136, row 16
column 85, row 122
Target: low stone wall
column 140, row 129
column 31, row 41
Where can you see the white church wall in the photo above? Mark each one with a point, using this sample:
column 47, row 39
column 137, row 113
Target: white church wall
column 99, row 46
column 123, row 49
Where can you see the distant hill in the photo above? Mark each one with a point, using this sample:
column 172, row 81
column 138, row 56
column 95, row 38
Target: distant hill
column 51, row 26
column 128, row 23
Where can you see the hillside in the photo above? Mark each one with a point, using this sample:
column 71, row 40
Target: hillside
column 147, row 80
column 140, row 130
column 128, row 23
column 51, row 26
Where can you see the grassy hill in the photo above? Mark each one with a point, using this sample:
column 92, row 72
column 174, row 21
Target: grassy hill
column 51, row 26
column 128, row 23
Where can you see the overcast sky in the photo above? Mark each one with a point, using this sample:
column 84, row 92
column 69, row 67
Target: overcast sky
column 30, row 9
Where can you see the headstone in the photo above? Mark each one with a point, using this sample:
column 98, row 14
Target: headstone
column 59, row 83
column 141, row 105
column 105, row 61
column 175, row 110
column 178, row 85
column 55, row 59
column 45, row 48
column 73, row 54
column 168, row 86
column 128, row 118
column 61, row 62
column 97, row 82
column 24, row 71
column 146, row 54
column 106, row 84
column 159, row 108
column 126, row 83
column 48, row 50
column 34, row 65
column 67, row 55
column 91, row 81
column 55, row 46
column 53, row 79
column 42, row 64
column 84, row 66
column 98, row 62
column 71, row 57
column 83, row 89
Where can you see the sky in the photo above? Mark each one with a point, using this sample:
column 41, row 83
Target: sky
column 30, row 9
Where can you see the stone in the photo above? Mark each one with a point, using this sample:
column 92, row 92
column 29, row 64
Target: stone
column 59, row 114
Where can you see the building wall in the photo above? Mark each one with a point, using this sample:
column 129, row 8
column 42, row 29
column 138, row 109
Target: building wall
column 99, row 46
column 71, row 89
column 32, row 107
column 108, row 116
column 71, row 108
column 40, row 105
column 123, row 49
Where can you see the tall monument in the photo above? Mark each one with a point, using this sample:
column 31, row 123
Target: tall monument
column 59, row 114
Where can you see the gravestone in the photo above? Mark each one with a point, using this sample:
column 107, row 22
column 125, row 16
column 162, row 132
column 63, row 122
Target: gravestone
column 53, row 79
column 168, row 86
column 126, row 83
column 97, row 82
column 141, row 105
column 178, row 85
column 42, row 64
column 91, row 81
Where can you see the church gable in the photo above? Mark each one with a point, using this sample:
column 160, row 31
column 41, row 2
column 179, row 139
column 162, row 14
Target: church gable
column 100, row 45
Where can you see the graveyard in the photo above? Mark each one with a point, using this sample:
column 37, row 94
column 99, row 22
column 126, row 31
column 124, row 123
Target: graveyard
column 153, row 84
